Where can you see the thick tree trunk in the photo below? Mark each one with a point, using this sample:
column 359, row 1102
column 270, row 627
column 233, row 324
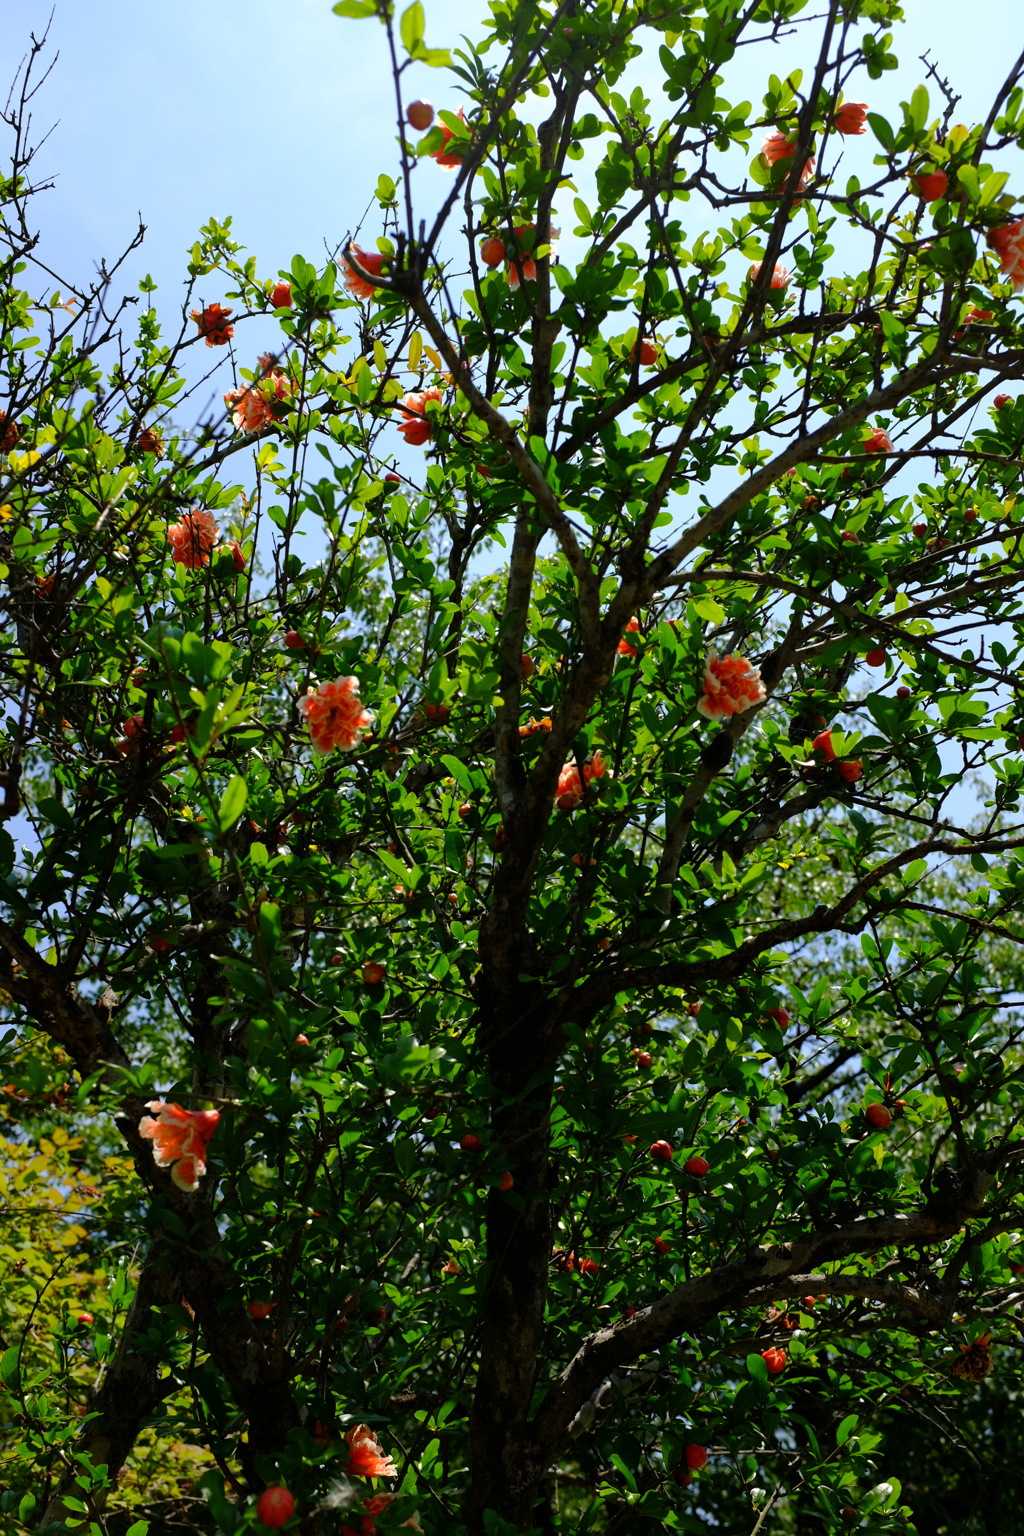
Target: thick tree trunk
column 522, row 1045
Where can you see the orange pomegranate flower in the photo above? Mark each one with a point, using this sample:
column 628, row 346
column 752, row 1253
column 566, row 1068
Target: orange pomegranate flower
column 366, row 1456
column 180, row 1138
column 370, row 261
column 451, row 158
column 523, row 267
column 417, row 427
column 213, row 324
column 878, row 442
column 624, row 648
column 1008, row 243
column 255, row 406
column 569, row 793
column 376, row 1504
column 851, row 117
column 193, row 538
column 975, row 1360
column 776, row 147
column 335, row 715
column 731, row 686
column 779, row 278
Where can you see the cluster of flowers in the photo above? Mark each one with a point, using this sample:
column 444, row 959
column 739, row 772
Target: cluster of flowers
column 571, row 786
column 255, row 406
column 522, row 266
column 213, row 324
column 192, row 540
column 365, row 1458
column 775, row 147
column 731, row 683
column 180, row 1138
column 731, row 686
column 335, row 715
column 415, row 426
column 1008, row 243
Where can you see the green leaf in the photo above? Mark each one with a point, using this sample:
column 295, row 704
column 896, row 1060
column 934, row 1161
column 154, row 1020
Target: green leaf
column 847, row 1428
column 357, row 9
column 232, row 802
column 757, row 1368
column 882, row 131
column 918, row 112
column 412, row 26
column 967, row 176
column 9, row 1368
column 459, row 772
column 992, row 186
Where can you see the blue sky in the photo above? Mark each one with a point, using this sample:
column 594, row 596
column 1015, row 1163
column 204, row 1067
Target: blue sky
column 283, row 116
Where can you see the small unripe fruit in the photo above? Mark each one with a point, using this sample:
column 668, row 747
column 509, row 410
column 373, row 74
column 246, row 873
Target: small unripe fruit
column 259, row 1310
column 301, row 1039
column 877, row 1116
column 875, row 657
column 392, row 479
column 648, row 352
column 492, row 251
column 373, row 973
column 85, row 1318
column 661, row 1149
column 643, row 1058
column 505, row 1182
column 661, row 1246
column 850, row 771
column 1002, row 400
column 695, row 1457
column 275, row 1507
column 682, row 1475
column 846, row 537
column 293, row 640
column 419, row 115
column 971, row 515
column 780, row 1016
column 932, row 186
column 919, row 530
column 471, row 1143
column 696, row 1166
column 527, row 669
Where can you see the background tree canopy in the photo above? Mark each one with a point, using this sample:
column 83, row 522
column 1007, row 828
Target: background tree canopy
column 511, row 893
